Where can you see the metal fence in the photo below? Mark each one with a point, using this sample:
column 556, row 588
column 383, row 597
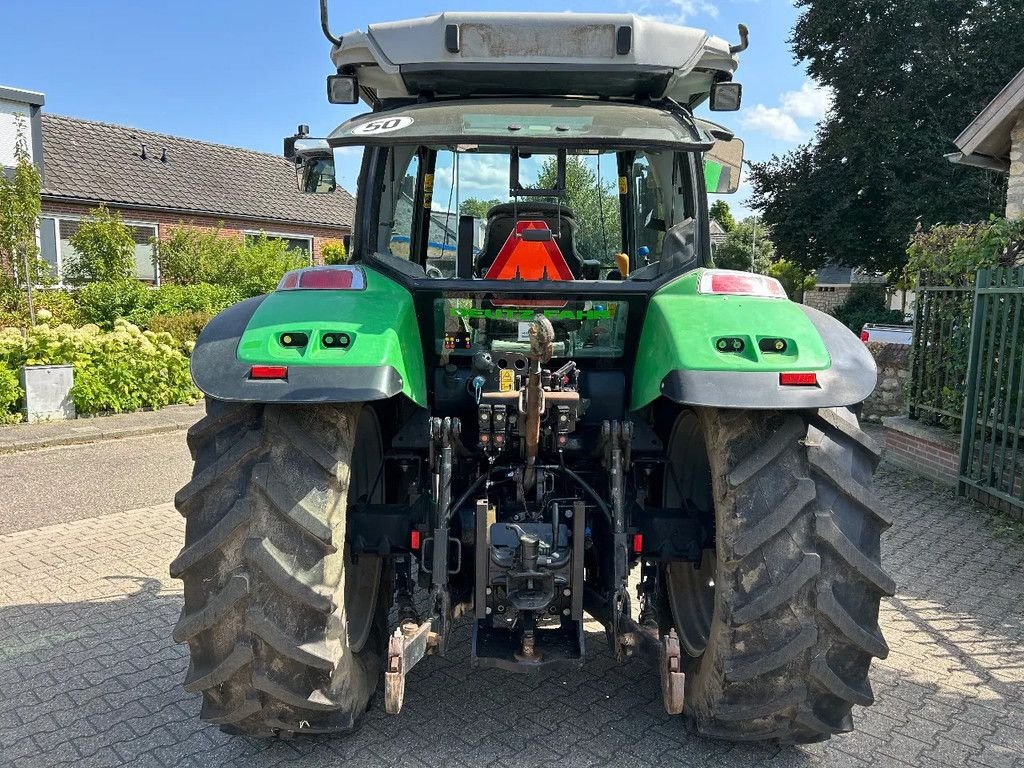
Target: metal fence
column 940, row 352
column 992, row 440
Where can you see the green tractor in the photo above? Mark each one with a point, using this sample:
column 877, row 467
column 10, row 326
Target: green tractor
column 530, row 398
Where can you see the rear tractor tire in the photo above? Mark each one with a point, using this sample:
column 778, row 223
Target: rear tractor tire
column 779, row 623
column 285, row 629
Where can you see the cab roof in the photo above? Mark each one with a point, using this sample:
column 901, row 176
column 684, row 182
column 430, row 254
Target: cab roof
column 534, row 54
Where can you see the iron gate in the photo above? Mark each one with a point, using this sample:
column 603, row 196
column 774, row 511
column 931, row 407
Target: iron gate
column 992, row 441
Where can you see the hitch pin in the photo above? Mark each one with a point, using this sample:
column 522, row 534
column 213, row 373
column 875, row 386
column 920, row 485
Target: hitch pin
column 478, row 388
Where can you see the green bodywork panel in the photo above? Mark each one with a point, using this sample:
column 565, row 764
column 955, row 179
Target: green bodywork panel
column 683, row 327
column 379, row 321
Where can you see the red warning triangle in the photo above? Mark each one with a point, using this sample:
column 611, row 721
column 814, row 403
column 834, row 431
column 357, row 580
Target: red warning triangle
column 528, row 259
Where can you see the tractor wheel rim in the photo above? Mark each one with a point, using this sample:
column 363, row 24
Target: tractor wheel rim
column 362, row 575
column 690, row 589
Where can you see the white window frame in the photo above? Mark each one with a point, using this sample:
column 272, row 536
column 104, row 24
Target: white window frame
column 280, row 235
column 58, row 217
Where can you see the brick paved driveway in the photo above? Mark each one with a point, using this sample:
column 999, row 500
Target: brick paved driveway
column 90, row 677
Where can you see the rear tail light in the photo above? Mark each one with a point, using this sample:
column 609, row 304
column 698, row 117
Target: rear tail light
column 415, row 540
column 798, row 379
column 328, row 278
column 731, row 283
column 865, row 336
column 268, row 372
column 638, row 543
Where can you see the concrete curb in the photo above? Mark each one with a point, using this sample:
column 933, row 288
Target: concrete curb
column 31, row 437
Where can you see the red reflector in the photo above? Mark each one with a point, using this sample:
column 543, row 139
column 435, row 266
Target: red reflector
column 734, row 283
column 798, row 379
column 865, row 336
column 529, row 259
column 325, row 279
column 414, row 540
column 268, row 372
column 329, row 278
column 638, row 543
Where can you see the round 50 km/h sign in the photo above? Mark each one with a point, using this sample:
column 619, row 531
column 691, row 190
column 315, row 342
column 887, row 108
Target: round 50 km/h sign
column 383, row 125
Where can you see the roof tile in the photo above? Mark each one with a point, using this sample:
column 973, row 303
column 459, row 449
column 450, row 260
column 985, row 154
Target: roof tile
column 101, row 162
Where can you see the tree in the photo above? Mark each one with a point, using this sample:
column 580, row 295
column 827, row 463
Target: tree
column 20, row 206
column 104, row 250
column 473, row 206
column 596, row 207
column 907, row 77
column 793, row 279
column 720, row 212
column 747, row 247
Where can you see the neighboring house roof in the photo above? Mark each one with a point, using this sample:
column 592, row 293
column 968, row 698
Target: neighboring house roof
column 986, row 141
column 834, row 274
column 96, row 162
column 837, row 274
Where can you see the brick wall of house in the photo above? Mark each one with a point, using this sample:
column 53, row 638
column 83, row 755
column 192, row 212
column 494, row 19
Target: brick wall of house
column 230, row 227
column 928, row 451
column 827, row 297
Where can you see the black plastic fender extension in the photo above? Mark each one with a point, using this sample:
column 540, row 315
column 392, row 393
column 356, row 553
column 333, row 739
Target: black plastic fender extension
column 849, row 381
column 218, row 372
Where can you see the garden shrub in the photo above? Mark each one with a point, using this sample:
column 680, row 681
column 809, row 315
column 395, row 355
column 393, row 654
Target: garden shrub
column 187, row 299
column 259, row 265
column 61, row 305
column 333, row 252
column 867, row 305
column 104, row 303
column 115, row 371
column 192, row 256
column 10, row 396
column 185, row 327
column 104, row 250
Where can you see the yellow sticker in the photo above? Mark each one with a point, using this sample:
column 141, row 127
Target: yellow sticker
column 506, row 379
column 622, row 185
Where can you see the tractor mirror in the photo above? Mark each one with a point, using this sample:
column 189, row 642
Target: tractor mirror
column 314, row 166
column 722, row 166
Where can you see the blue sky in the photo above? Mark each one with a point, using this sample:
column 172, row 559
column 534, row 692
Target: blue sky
column 246, row 73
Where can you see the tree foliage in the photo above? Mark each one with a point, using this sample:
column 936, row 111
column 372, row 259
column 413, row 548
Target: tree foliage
column 908, row 76
column 104, row 250
column 476, row 207
column 747, row 247
column 19, row 215
column 595, row 205
column 720, row 212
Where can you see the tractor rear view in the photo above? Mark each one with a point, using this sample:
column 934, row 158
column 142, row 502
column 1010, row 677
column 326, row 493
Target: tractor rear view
column 531, row 397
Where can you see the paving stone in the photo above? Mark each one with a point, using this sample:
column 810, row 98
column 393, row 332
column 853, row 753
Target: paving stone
column 90, row 676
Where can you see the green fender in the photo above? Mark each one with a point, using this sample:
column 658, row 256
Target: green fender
column 383, row 356
column 679, row 356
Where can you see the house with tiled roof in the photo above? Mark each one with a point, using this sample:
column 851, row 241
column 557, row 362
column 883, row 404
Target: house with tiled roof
column 158, row 182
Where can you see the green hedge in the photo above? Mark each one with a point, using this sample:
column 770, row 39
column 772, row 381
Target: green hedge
column 124, row 369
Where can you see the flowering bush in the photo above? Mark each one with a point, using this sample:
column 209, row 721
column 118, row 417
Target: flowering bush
column 115, row 371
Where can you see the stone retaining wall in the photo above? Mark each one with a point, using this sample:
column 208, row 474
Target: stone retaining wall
column 888, row 399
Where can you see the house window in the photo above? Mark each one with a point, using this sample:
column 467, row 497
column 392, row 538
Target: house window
column 55, row 235
column 298, row 243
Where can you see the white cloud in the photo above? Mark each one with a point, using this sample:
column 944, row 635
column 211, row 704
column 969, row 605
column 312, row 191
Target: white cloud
column 773, row 121
column 810, row 102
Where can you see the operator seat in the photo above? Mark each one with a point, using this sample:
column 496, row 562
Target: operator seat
column 501, row 222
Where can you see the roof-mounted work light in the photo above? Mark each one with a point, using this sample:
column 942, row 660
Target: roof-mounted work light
column 342, row 89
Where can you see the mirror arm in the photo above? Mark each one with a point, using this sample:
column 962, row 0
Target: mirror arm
column 326, row 26
column 743, row 44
